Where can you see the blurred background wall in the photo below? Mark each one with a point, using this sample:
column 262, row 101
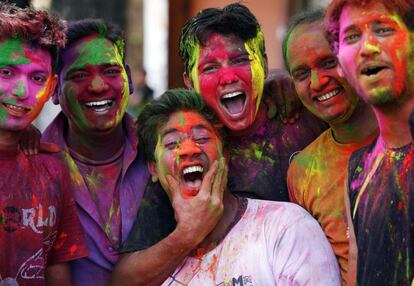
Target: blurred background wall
column 152, row 29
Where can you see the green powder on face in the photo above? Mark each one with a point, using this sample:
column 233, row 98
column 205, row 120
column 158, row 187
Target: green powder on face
column 96, row 51
column 12, row 53
column 19, row 89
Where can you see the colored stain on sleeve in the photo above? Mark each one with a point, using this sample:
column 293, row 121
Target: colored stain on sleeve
column 212, row 267
column 73, row 249
column 60, row 241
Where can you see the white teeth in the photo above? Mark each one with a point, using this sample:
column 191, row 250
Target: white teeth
column 97, row 103
column 232, row 94
column 192, row 169
column 15, row 107
column 328, row 95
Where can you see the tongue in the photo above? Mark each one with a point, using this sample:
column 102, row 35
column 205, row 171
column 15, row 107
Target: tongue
column 234, row 105
column 194, row 184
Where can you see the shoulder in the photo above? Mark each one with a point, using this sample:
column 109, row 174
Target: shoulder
column 54, row 163
column 283, row 213
column 357, row 157
column 309, row 154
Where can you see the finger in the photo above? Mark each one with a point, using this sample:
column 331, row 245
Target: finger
column 217, row 184
column 206, row 185
column 49, row 148
column 33, row 146
column 174, row 188
column 223, row 186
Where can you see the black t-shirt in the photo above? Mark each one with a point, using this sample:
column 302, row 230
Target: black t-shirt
column 383, row 213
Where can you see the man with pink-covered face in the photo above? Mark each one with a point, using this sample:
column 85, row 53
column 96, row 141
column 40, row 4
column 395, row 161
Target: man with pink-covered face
column 224, row 56
column 36, row 203
column 374, row 44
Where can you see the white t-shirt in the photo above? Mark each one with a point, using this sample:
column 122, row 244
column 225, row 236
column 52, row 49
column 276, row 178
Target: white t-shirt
column 274, row 243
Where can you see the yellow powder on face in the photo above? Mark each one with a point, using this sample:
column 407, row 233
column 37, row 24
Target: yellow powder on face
column 194, row 72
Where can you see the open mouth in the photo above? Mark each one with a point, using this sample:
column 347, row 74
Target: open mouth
column 234, row 102
column 100, row 106
column 329, row 95
column 192, row 176
column 16, row 109
column 371, row 71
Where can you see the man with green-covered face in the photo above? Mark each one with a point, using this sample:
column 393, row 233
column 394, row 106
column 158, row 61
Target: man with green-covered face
column 100, row 140
column 39, row 229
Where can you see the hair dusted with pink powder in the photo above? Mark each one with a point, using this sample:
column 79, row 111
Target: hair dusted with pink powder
column 34, row 26
column 404, row 8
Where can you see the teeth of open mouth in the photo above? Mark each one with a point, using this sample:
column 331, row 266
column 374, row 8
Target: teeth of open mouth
column 328, row 95
column 231, row 95
column 98, row 103
column 192, row 169
column 15, row 107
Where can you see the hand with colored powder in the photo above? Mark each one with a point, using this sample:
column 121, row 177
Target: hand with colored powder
column 30, row 142
column 198, row 215
column 280, row 96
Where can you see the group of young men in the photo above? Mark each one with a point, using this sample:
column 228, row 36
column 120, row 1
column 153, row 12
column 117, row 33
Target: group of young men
column 217, row 171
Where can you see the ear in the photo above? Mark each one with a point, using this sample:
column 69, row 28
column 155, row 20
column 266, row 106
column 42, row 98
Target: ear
column 152, row 167
column 130, row 83
column 187, row 81
column 57, row 91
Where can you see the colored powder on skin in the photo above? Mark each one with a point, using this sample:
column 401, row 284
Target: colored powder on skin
column 254, row 47
column 96, row 52
column 19, row 89
column 12, row 53
column 194, row 64
column 4, row 113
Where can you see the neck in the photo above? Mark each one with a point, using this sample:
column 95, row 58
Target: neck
column 9, row 140
column 231, row 209
column 393, row 121
column 361, row 124
column 257, row 123
column 98, row 146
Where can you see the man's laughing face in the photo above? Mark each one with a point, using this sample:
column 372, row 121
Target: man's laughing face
column 229, row 74
column 187, row 147
column 93, row 84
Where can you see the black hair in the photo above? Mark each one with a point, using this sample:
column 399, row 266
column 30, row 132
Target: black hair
column 82, row 28
column 306, row 17
column 157, row 112
column 234, row 19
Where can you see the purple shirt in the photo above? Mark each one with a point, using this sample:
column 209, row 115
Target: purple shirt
column 97, row 267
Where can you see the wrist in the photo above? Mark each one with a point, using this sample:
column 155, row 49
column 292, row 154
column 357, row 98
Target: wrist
column 183, row 239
